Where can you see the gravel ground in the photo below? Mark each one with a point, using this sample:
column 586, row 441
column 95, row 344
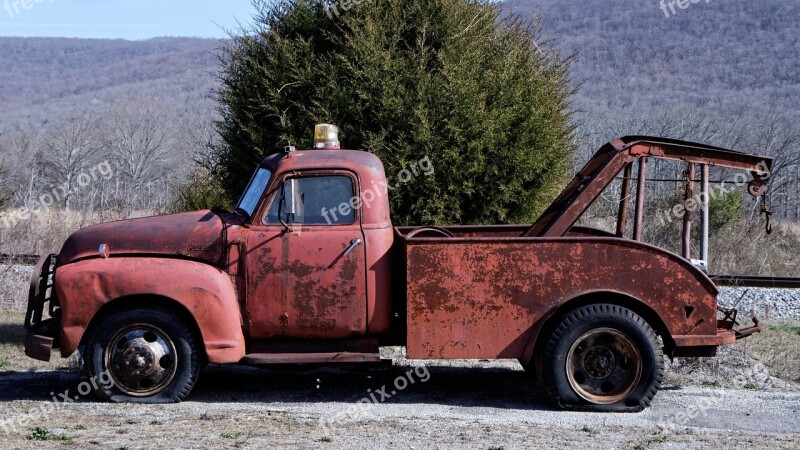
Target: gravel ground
column 446, row 407
column 768, row 304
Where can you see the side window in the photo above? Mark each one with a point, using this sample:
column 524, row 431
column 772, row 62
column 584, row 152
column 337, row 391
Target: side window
column 313, row 201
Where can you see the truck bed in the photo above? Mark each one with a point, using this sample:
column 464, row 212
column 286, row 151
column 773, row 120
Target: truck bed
column 484, row 292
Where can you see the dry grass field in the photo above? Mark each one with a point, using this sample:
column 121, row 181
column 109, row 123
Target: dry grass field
column 46, row 231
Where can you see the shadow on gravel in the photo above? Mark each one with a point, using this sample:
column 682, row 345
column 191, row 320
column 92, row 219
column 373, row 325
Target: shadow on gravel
column 491, row 388
column 494, row 388
column 12, row 334
column 37, row 386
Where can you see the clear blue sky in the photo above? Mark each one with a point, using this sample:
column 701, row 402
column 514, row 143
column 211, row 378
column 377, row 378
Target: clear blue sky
column 125, row 19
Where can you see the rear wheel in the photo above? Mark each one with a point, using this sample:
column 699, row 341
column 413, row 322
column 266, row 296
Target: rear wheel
column 143, row 356
column 602, row 357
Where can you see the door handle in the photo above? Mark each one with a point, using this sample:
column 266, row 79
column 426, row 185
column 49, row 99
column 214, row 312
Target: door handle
column 353, row 244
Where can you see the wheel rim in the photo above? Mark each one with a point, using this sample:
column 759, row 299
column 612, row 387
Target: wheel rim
column 141, row 360
column 604, row 366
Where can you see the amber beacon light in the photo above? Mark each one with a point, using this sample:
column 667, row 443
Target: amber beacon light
column 326, row 136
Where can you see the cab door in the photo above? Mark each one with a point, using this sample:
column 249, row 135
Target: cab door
column 306, row 261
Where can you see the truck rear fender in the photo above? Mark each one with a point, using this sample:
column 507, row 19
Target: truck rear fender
column 551, row 320
column 90, row 289
column 483, row 297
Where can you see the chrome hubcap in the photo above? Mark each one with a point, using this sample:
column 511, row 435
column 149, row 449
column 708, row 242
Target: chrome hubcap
column 141, row 359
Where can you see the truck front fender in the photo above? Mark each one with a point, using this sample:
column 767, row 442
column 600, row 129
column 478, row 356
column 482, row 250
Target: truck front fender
column 205, row 292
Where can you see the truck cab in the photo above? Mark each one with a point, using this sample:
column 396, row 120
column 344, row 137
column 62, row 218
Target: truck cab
column 309, row 269
column 312, row 263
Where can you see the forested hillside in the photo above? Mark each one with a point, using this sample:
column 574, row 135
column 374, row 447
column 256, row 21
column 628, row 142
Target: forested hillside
column 46, row 79
column 729, row 57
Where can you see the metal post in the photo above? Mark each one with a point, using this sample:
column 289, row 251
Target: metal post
column 687, row 215
column 622, row 218
column 705, row 222
column 638, row 221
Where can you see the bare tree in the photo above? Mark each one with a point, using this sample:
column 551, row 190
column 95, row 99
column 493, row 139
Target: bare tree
column 138, row 137
column 20, row 156
column 70, row 147
column 777, row 136
column 204, row 143
column 3, row 198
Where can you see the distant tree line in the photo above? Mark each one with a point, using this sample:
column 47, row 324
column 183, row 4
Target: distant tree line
column 736, row 58
column 127, row 160
column 46, row 80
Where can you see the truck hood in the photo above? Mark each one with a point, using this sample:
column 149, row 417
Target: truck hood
column 195, row 235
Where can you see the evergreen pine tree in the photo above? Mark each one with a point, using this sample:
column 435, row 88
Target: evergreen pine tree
column 451, row 80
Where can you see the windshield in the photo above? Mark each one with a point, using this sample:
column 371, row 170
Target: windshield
column 254, row 191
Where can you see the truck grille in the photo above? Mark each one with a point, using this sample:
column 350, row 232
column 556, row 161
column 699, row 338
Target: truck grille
column 42, row 293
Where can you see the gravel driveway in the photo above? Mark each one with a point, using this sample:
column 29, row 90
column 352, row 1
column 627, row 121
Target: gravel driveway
column 450, row 407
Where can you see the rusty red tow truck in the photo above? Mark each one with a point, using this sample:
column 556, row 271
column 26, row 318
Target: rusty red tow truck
column 591, row 313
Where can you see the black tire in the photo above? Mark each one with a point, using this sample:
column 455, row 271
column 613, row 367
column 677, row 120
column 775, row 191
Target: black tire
column 143, row 356
column 602, row 358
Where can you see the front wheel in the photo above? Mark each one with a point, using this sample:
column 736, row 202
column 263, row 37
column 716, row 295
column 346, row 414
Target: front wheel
column 604, row 358
column 143, row 356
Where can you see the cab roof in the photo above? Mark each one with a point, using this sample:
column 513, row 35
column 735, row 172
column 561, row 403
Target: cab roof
column 359, row 161
column 368, row 168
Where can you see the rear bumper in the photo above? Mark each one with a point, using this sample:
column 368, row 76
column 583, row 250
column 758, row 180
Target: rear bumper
column 726, row 334
column 723, row 337
column 749, row 331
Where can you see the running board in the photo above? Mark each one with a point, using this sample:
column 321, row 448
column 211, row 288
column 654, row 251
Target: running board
column 262, row 359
